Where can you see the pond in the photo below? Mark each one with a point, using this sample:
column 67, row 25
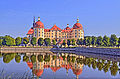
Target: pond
column 58, row 66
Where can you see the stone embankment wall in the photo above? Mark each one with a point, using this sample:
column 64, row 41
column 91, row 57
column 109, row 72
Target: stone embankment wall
column 104, row 51
column 24, row 49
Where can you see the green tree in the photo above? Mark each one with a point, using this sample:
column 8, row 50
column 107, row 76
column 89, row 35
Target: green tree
column 18, row 41
column 25, row 58
column 17, row 58
column 40, row 41
column 33, row 58
column 68, row 42
column 1, row 40
column 47, row 58
column 85, row 41
column 99, row 41
column 64, row 42
column 33, row 41
column 89, row 40
column 54, row 42
column 113, row 40
column 25, row 40
column 73, row 41
column 8, row 57
column 79, row 42
column 94, row 39
column 8, row 41
column 119, row 41
column 114, row 69
column 47, row 41
column 106, row 41
column 54, row 57
column 40, row 58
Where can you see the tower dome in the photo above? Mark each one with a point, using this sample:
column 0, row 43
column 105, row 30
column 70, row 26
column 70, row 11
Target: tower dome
column 39, row 24
column 77, row 25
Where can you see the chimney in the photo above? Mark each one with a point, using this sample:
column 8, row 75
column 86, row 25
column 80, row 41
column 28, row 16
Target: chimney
column 38, row 18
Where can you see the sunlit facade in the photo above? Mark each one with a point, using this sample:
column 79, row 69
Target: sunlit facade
column 38, row 31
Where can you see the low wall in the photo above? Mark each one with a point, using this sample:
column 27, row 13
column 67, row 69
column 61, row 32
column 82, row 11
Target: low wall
column 24, row 49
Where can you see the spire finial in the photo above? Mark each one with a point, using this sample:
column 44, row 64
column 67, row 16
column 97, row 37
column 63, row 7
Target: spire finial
column 34, row 19
column 67, row 25
column 77, row 19
column 38, row 18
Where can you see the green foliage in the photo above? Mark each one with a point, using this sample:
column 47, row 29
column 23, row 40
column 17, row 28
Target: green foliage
column 113, row 40
column 1, row 40
column 25, row 40
column 106, row 41
column 119, row 41
column 68, row 42
column 47, row 58
column 79, row 42
column 47, row 41
column 114, row 69
column 40, row 41
column 73, row 41
column 99, row 41
column 8, row 57
column 54, row 57
column 17, row 58
column 64, row 42
column 89, row 40
column 63, row 58
column 106, row 67
column 68, row 58
column 25, row 58
column 54, row 42
column 40, row 58
column 94, row 39
column 79, row 61
column 0, row 55
column 8, row 41
column 94, row 64
column 33, row 41
column 73, row 59
column 33, row 58
column 18, row 41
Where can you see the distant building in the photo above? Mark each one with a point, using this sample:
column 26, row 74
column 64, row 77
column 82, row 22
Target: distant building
column 38, row 31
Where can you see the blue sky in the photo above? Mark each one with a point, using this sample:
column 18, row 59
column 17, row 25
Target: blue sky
column 98, row 17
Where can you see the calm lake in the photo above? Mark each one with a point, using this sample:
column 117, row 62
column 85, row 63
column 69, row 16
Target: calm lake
column 58, row 66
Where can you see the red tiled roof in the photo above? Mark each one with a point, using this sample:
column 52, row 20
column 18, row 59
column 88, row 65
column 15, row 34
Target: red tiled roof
column 77, row 71
column 77, row 26
column 55, row 28
column 54, row 69
column 38, row 72
column 67, row 28
column 47, row 30
column 30, row 65
column 31, row 31
column 39, row 24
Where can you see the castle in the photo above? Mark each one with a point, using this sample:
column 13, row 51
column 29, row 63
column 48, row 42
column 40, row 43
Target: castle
column 38, row 31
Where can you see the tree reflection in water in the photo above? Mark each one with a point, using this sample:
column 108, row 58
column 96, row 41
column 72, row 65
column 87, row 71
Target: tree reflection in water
column 39, row 61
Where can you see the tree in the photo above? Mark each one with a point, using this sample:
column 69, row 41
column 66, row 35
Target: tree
column 8, row 57
column 119, row 41
column 47, row 58
column 8, row 41
column 105, row 41
column 94, row 39
column 25, row 58
column 47, row 41
column 54, row 57
column 40, row 41
column 33, row 58
column 73, row 41
column 17, row 58
column 18, row 41
column 40, row 58
column 68, row 42
column 25, row 40
column 33, row 41
column 79, row 42
column 99, row 41
column 85, row 41
column 113, row 40
column 1, row 40
column 89, row 40
column 54, row 42
column 64, row 42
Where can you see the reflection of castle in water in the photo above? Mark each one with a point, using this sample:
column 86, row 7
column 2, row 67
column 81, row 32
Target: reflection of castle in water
column 56, row 64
